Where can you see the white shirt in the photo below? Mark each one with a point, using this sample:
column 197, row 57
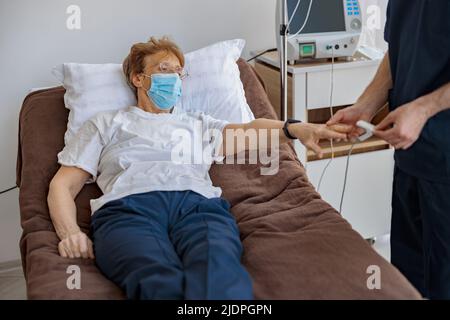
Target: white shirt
column 133, row 151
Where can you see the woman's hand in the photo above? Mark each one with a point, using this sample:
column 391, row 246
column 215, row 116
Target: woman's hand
column 310, row 134
column 350, row 116
column 76, row 245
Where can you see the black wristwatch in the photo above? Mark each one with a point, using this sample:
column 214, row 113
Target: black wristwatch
column 285, row 128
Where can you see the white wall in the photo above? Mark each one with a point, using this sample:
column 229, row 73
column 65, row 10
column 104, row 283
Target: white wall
column 374, row 19
column 34, row 37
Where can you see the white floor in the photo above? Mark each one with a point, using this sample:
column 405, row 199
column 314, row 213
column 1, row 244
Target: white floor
column 12, row 284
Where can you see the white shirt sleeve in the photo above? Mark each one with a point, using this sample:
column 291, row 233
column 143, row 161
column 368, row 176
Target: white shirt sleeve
column 83, row 150
column 213, row 129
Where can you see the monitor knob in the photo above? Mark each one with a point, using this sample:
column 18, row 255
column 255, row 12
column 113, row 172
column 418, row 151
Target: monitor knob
column 355, row 24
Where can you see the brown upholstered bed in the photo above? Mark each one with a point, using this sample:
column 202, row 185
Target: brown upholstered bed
column 296, row 246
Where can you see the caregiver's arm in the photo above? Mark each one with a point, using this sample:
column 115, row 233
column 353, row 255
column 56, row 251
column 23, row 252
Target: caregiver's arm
column 308, row 134
column 402, row 127
column 64, row 187
column 436, row 101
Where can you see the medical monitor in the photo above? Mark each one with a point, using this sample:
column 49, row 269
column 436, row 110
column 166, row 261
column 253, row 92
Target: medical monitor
column 321, row 28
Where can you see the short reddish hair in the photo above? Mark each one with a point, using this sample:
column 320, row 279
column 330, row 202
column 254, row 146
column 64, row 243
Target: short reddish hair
column 134, row 63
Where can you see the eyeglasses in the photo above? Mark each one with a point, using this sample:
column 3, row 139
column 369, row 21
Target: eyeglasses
column 165, row 67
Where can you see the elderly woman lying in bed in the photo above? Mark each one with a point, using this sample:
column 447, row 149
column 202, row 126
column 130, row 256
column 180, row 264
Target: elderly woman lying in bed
column 161, row 229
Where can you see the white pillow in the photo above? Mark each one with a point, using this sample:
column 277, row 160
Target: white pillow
column 213, row 87
column 90, row 89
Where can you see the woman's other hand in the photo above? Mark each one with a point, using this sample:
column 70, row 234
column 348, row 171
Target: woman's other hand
column 76, row 245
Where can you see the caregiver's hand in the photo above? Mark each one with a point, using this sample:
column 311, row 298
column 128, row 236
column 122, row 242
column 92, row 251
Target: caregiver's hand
column 310, row 134
column 350, row 116
column 402, row 127
column 76, row 245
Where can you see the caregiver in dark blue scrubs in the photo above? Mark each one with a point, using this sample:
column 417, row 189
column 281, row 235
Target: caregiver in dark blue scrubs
column 415, row 78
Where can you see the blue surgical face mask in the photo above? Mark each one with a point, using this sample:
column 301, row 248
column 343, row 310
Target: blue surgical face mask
column 165, row 90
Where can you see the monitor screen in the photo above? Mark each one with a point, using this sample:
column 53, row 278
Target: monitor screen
column 325, row 16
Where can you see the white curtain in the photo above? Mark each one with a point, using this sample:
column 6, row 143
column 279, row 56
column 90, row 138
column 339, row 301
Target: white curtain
column 374, row 19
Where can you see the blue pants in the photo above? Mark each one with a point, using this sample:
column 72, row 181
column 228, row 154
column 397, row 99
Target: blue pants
column 171, row 245
column 420, row 233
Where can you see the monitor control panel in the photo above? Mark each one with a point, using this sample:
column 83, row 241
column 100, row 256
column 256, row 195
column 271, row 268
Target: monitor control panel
column 352, row 8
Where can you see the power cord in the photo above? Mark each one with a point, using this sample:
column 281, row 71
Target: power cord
column 345, row 177
column 262, row 53
column 331, row 141
column 306, row 19
column 347, row 166
column 9, row 189
column 293, row 14
column 289, row 22
column 331, row 115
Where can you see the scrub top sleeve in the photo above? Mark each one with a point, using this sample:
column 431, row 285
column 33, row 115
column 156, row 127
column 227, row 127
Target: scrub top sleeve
column 83, row 151
column 388, row 23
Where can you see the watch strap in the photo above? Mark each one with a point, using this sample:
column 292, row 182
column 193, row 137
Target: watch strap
column 285, row 128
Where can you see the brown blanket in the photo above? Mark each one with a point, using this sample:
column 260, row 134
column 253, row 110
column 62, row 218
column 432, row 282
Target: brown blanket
column 296, row 246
